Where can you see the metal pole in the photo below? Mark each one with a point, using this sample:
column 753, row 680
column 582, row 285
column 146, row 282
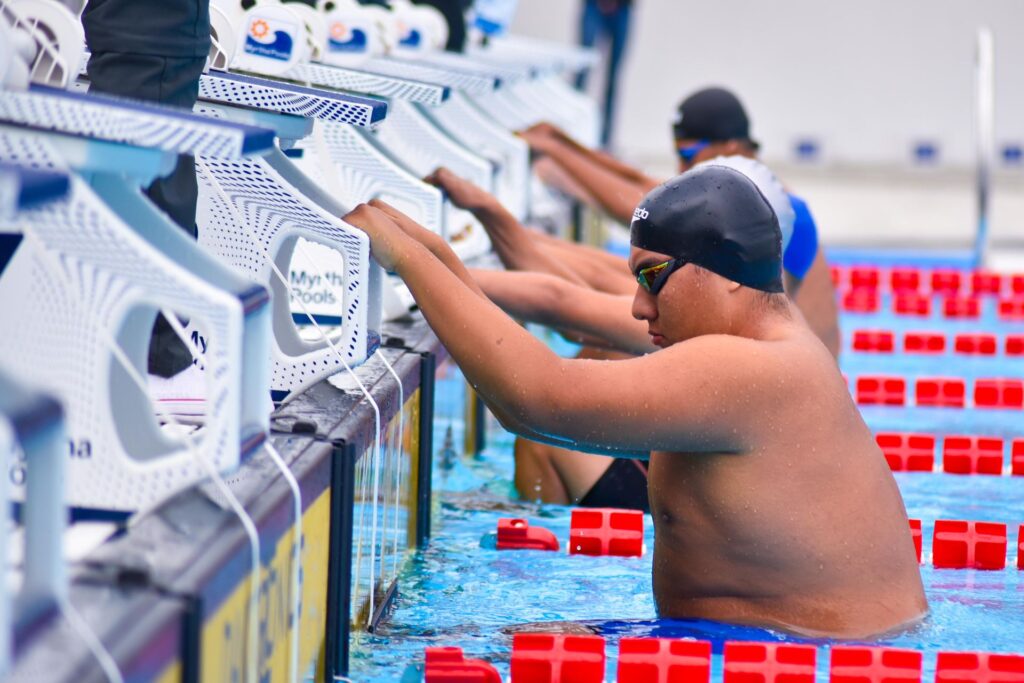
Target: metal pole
column 984, row 125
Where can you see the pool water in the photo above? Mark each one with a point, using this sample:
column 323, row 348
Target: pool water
column 459, row 592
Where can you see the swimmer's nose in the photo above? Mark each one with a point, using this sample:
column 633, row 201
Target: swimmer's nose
column 644, row 305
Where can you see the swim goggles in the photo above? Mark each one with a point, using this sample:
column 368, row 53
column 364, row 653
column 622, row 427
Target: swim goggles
column 653, row 278
column 689, row 152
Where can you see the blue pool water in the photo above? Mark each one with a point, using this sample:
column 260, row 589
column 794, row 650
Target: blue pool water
column 459, row 593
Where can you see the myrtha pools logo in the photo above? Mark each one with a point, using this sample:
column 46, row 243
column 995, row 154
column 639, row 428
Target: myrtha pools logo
column 344, row 38
column 269, row 38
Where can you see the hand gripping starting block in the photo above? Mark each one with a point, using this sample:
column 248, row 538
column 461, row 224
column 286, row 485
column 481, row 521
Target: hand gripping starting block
column 97, row 267
column 251, row 208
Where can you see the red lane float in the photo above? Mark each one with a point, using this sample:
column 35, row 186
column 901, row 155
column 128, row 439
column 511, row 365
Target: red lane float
column 972, row 455
column 978, row 667
column 961, row 307
column 557, row 658
column 864, row 277
column 861, row 301
column 912, row 303
column 606, row 531
column 877, row 341
column 1017, row 457
column 986, row 282
column 907, row 452
column 946, row 281
column 924, row 342
column 915, row 533
column 1017, row 285
column 1015, row 345
column 975, row 344
column 881, row 390
column 901, row 279
column 958, row 544
column 942, row 392
column 517, row 534
column 1020, row 547
column 1011, row 309
column 999, row 393
column 664, row 660
column 851, row 664
column 769, row 663
column 448, row 665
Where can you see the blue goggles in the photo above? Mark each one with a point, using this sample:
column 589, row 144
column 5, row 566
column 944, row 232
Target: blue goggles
column 689, row 152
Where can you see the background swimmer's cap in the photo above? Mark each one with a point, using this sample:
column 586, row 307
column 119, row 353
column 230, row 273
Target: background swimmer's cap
column 712, row 114
column 770, row 187
column 715, row 217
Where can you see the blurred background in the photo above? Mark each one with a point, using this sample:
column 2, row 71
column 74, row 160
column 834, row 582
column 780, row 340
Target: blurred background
column 867, row 110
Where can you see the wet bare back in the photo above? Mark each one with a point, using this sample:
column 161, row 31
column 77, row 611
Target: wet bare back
column 797, row 532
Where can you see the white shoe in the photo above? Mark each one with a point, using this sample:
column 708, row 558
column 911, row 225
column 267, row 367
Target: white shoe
column 183, row 394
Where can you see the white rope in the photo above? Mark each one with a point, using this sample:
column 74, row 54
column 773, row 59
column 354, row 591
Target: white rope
column 323, row 337
column 401, row 458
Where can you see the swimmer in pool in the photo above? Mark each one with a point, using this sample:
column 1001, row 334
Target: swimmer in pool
column 772, row 504
column 541, row 287
column 709, row 123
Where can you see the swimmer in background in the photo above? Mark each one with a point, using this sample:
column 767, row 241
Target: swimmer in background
column 772, row 504
column 709, row 123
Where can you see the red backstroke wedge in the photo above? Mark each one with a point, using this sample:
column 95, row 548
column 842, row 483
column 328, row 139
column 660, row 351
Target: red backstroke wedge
column 986, row 282
column 1017, row 457
column 448, row 665
column 664, row 660
column 915, row 533
column 606, row 531
column 942, row 392
column 961, row 307
column 861, row 301
column 999, row 393
column 978, row 667
column 902, row 279
column 969, row 545
column 874, row 665
column 976, row 344
column 864, row 277
column 972, row 455
column 881, row 390
column 907, row 452
column 912, row 303
column 924, row 342
column 557, row 658
column 769, row 663
column 946, row 281
column 517, row 534
column 877, row 341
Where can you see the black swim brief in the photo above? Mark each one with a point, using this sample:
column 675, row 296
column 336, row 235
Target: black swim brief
column 623, row 485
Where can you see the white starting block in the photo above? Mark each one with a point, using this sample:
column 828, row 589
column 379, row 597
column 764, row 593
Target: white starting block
column 97, row 267
column 251, row 208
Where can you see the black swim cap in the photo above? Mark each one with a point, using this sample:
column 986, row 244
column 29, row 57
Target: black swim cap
column 713, row 114
column 715, row 217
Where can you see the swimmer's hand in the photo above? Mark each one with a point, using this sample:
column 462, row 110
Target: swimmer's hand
column 541, row 137
column 431, row 240
column 389, row 244
column 461, row 192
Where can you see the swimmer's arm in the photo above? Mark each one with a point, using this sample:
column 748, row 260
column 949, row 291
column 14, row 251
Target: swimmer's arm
column 582, row 313
column 537, row 134
column 614, row 194
column 512, row 242
column 610, row 275
column 696, row 396
column 437, row 246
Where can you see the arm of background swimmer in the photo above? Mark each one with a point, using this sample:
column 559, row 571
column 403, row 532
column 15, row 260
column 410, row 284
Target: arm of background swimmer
column 550, row 301
column 615, row 195
column 610, row 275
column 677, row 399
